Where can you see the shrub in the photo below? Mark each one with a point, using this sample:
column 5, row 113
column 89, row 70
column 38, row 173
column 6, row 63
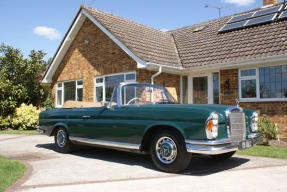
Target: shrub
column 5, row 122
column 25, row 117
column 267, row 128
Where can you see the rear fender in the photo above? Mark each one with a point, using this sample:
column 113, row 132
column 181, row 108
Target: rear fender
column 57, row 125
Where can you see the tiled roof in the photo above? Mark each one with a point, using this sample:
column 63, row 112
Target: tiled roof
column 188, row 48
column 207, row 47
column 147, row 43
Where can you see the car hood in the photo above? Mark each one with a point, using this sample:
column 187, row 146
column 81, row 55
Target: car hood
column 196, row 113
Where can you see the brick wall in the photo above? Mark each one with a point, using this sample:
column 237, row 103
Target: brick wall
column 100, row 57
column 228, row 86
column 170, row 81
column 276, row 111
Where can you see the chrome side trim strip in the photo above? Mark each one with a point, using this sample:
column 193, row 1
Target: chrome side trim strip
column 106, row 143
column 204, row 142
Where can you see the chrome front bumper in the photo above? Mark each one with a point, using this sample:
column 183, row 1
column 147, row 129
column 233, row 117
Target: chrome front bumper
column 221, row 146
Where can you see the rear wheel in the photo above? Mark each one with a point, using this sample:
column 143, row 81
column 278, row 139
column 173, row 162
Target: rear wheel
column 168, row 151
column 62, row 141
column 223, row 156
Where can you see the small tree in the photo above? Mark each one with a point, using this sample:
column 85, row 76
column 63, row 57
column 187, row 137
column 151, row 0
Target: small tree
column 19, row 79
column 267, row 129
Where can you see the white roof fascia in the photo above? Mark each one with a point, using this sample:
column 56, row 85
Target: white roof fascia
column 64, row 46
column 140, row 63
column 165, row 68
column 263, row 61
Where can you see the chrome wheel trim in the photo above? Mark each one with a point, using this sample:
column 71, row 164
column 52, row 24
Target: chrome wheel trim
column 61, row 138
column 166, row 150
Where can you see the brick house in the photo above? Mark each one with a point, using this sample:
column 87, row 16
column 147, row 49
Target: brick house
column 208, row 63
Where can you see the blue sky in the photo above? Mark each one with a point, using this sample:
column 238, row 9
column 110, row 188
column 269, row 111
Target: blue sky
column 42, row 24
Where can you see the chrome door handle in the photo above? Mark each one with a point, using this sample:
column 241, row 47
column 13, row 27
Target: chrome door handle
column 86, row 117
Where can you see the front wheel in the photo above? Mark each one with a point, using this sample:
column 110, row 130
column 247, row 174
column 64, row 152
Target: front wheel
column 168, row 151
column 62, row 141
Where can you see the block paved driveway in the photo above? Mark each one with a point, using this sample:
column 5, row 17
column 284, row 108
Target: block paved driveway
column 95, row 169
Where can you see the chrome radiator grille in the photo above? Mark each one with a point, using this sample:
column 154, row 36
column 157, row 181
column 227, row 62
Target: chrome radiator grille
column 237, row 126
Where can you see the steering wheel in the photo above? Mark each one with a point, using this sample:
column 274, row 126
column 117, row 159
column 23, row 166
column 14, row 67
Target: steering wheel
column 135, row 98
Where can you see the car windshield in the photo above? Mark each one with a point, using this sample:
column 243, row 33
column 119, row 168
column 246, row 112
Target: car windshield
column 141, row 94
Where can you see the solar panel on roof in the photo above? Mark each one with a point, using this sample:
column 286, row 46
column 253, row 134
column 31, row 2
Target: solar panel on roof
column 260, row 20
column 267, row 11
column 240, row 18
column 232, row 26
column 283, row 15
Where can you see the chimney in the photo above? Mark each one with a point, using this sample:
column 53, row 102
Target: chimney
column 269, row 2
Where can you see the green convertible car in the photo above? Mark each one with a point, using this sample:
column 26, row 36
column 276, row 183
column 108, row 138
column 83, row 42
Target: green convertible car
column 146, row 118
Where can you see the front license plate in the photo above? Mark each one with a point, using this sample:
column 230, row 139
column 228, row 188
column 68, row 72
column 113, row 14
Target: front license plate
column 246, row 144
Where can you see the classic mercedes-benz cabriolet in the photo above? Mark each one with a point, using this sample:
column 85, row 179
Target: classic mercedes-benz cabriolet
column 146, row 118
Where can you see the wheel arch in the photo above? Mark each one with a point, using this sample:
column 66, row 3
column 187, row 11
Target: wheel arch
column 56, row 126
column 152, row 130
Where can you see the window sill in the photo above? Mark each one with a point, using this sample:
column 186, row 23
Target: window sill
column 262, row 100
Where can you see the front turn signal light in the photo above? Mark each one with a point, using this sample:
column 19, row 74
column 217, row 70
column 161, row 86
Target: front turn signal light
column 211, row 126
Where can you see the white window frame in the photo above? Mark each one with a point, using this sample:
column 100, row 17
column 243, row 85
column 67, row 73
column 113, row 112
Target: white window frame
column 62, row 89
column 104, row 82
column 257, row 78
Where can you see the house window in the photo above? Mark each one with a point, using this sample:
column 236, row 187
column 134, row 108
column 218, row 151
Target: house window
column 263, row 83
column 248, row 83
column 273, row 82
column 104, row 85
column 69, row 90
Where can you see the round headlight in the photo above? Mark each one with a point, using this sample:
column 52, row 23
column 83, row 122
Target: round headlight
column 253, row 122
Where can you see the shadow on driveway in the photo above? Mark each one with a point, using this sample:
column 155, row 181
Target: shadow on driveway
column 200, row 165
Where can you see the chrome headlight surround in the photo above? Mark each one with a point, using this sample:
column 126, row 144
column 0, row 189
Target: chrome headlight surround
column 253, row 122
column 211, row 126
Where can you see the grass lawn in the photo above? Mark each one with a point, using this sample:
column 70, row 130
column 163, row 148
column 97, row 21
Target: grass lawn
column 265, row 151
column 27, row 132
column 10, row 172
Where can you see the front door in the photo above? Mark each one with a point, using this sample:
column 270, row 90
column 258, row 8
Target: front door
column 200, row 90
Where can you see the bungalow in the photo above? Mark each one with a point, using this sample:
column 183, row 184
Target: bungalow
column 242, row 56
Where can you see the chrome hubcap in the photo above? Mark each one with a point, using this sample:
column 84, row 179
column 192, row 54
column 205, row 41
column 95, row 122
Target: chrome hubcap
column 166, row 150
column 61, row 138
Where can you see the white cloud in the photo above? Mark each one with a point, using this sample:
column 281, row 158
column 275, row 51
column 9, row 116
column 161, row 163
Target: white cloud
column 50, row 33
column 164, row 30
column 239, row 2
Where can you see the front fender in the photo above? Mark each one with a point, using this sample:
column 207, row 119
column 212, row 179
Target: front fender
column 160, row 124
column 188, row 130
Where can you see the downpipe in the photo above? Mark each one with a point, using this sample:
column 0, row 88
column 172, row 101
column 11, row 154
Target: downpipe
column 152, row 77
column 158, row 73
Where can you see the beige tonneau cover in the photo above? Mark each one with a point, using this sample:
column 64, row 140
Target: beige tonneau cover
column 80, row 104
